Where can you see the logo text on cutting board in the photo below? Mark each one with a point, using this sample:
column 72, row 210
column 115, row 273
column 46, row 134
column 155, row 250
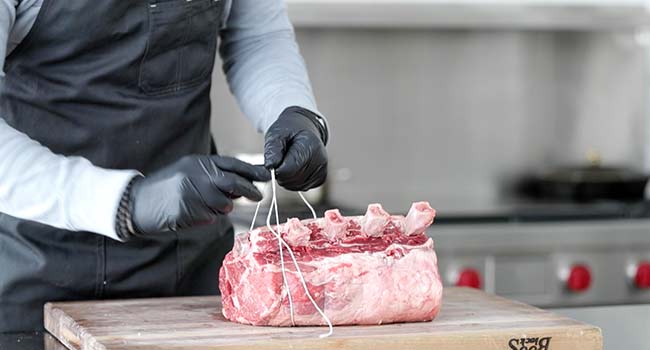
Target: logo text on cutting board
column 536, row 343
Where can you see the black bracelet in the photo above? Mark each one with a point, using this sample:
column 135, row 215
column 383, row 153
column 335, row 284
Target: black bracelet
column 318, row 121
column 123, row 224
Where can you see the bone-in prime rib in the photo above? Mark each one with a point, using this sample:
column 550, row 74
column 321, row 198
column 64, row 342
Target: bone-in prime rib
column 370, row 269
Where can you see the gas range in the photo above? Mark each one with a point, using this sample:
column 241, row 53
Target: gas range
column 550, row 264
column 550, row 254
column 546, row 254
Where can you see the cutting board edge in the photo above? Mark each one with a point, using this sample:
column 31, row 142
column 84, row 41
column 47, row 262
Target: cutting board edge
column 575, row 339
column 66, row 330
column 589, row 338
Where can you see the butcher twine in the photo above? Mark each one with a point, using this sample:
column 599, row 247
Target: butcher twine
column 274, row 206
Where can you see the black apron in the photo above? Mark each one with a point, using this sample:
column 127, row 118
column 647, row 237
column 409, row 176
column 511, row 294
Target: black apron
column 125, row 84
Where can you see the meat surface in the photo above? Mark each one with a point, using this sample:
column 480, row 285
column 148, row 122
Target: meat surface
column 371, row 269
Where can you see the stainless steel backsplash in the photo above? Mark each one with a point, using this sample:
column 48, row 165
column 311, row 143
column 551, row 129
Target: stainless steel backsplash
column 454, row 117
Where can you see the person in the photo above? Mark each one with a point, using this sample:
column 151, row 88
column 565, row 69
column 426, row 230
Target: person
column 110, row 183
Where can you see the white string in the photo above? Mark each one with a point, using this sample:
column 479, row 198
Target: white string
column 257, row 209
column 313, row 212
column 274, row 205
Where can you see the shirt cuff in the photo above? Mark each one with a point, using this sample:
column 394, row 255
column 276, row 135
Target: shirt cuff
column 98, row 191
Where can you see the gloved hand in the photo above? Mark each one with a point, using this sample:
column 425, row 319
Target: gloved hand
column 192, row 191
column 295, row 147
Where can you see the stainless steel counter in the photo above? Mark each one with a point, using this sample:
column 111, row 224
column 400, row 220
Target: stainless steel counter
column 624, row 326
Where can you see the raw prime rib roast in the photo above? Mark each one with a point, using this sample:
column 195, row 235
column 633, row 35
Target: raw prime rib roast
column 369, row 269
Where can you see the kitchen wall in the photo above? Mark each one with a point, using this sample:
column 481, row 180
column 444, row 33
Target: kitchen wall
column 453, row 116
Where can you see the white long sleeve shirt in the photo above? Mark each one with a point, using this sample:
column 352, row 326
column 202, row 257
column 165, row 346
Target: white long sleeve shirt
column 265, row 73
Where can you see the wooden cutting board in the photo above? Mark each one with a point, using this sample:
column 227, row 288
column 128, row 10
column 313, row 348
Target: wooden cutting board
column 469, row 319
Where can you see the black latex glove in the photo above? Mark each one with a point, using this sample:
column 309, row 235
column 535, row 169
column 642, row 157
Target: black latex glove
column 295, row 147
column 192, row 191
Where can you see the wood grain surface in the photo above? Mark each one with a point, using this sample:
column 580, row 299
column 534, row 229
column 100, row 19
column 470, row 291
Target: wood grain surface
column 469, row 319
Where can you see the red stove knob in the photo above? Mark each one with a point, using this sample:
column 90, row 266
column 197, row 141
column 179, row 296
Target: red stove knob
column 642, row 277
column 579, row 278
column 469, row 278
